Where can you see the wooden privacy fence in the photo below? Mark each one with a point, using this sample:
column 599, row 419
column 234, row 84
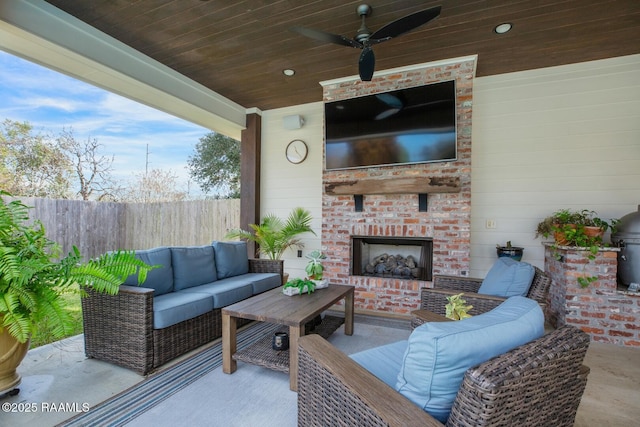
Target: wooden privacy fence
column 98, row 227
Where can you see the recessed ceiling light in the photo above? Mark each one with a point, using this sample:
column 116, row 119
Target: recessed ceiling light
column 503, row 28
column 288, row 72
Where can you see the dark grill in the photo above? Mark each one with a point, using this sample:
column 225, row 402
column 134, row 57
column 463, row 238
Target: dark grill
column 627, row 237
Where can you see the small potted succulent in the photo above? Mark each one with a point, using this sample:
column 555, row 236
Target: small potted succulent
column 315, row 269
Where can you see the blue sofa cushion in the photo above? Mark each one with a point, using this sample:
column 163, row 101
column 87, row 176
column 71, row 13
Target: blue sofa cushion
column 176, row 307
column 159, row 279
column 226, row 291
column 192, row 266
column 384, row 362
column 439, row 353
column 262, row 282
column 507, row 277
column 231, row 259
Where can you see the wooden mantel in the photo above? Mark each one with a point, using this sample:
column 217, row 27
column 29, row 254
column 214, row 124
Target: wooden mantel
column 404, row 185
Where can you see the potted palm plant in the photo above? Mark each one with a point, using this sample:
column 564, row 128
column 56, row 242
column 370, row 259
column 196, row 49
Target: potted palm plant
column 274, row 235
column 33, row 279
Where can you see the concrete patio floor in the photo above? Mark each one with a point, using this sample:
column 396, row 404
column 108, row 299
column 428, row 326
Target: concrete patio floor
column 58, row 382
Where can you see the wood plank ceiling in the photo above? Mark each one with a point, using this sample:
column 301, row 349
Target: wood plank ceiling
column 240, row 48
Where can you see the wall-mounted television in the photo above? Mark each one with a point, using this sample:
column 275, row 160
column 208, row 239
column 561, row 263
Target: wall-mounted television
column 413, row 125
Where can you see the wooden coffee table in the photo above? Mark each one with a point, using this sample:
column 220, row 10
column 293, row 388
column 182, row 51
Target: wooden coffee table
column 275, row 307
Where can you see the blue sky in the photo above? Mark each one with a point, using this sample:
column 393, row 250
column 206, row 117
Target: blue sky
column 51, row 101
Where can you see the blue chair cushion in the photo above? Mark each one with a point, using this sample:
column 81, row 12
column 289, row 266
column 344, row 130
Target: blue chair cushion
column 262, row 282
column 192, row 266
column 384, row 362
column 159, row 279
column 176, row 307
column 439, row 353
column 231, row 259
column 226, row 291
column 507, row 277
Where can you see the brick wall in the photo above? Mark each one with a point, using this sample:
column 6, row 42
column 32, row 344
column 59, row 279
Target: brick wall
column 607, row 314
column 447, row 220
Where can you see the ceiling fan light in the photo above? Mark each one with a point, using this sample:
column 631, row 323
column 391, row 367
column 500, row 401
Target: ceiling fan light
column 503, row 28
column 288, row 72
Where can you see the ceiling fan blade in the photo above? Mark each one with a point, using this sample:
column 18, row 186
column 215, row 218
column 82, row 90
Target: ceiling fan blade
column 326, row 37
column 390, row 100
column 387, row 113
column 404, row 25
column 366, row 64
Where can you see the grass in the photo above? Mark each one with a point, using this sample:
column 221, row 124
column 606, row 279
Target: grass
column 72, row 305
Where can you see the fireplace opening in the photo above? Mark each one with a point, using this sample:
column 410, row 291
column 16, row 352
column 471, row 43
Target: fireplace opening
column 408, row 258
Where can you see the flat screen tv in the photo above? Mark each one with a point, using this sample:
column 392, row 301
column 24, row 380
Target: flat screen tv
column 413, row 125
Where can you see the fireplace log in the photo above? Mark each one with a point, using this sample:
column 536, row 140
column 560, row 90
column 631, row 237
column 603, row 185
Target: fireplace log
column 393, row 265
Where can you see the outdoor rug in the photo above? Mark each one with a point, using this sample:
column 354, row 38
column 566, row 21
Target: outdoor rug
column 131, row 403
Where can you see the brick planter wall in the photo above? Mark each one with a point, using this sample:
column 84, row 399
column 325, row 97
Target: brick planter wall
column 607, row 314
column 447, row 220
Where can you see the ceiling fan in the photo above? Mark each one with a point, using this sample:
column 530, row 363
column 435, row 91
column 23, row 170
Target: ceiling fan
column 365, row 39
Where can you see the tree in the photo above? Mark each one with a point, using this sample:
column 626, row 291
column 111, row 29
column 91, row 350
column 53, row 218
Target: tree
column 216, row 165
column 155, row 186
column 30, row 164
column 92, row 170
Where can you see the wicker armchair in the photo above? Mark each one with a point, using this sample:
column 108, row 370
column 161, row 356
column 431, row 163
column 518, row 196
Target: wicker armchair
column 434, row 299
column 537, row 384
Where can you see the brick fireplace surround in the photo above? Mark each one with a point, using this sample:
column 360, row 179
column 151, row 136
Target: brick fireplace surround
column 396, row 213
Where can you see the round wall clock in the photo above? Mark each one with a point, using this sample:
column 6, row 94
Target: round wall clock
column 296, row 151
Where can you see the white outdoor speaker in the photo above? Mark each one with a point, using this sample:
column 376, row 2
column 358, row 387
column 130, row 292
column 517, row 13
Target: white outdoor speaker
column 293, row 122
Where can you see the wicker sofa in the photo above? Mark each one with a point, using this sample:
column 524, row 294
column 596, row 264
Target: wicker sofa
column 539, row 383
column 178, row 308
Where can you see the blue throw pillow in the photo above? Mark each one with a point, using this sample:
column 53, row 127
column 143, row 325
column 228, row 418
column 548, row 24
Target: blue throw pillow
column 439, row 353
column 231, row 258
column 159, row 279
column 508, row 278
column 192, row 266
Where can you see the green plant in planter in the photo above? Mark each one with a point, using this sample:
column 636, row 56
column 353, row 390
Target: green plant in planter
column 274, row 236
column 33, row 277
column 301, row 285
column 571, row 228
column 457, row 308
column 314, row 268
column 556, row 222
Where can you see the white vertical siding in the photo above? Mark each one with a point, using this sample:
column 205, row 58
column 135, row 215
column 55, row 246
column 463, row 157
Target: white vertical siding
column 561, row 137
column 284, row 185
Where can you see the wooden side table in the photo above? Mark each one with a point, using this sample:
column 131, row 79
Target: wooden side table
column 419, row 317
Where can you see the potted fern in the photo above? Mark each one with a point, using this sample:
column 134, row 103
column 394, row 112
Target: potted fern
column 33, row 279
